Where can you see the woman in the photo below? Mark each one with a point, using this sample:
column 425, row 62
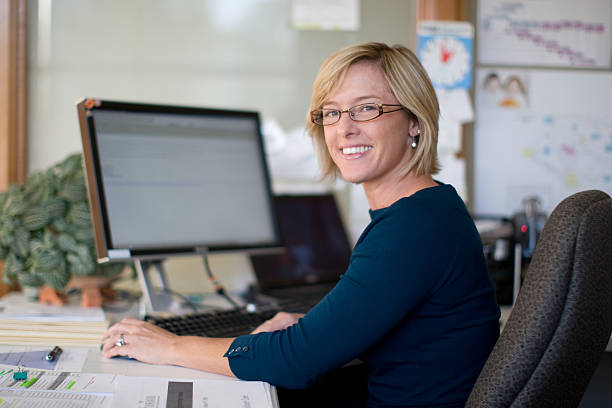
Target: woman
column 416, row 303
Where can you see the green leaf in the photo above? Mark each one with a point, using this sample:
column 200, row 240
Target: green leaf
column 22, row 242
column 35, row 218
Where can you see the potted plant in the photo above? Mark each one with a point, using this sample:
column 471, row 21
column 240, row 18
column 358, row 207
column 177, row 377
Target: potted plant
column 46, row 235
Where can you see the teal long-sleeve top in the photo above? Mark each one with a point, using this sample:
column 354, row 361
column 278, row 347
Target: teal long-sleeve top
column 416, row 304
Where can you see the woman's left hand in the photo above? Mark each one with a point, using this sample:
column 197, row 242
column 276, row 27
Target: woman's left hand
column 141, row 340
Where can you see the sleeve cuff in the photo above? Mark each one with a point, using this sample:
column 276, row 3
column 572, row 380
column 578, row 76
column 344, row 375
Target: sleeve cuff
column 241, row 357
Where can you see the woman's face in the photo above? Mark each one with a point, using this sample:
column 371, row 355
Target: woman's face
column 374, row 151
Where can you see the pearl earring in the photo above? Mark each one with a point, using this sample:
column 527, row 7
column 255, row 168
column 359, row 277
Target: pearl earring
column 414, row 143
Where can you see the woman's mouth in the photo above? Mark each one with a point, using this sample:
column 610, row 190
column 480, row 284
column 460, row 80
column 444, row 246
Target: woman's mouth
column 354, row 152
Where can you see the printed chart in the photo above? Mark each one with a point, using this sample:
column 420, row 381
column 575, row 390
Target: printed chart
column 44, row 380
column 559, row 33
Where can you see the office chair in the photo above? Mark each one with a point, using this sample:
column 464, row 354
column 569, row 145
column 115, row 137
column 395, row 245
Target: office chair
column 562, row 319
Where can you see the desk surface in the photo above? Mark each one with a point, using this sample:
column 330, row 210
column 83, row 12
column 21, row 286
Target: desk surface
column 95, row 363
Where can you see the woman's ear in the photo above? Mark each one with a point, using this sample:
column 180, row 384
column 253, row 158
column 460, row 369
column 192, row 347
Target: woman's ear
column 414, row 129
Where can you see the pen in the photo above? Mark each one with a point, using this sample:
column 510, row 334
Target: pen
column 53, row 354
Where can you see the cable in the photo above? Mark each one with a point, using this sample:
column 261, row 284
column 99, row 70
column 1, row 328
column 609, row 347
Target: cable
column 219, row 289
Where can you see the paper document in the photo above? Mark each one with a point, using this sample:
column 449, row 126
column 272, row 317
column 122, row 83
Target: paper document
column 16, row 307
column 149, row 392
column 57, row 381
column 71, row 359
column 44, row 399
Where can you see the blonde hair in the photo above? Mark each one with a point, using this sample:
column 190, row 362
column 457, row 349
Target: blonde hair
column 409, row 83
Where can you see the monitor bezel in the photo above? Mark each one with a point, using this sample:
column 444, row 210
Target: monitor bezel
column 105, row 250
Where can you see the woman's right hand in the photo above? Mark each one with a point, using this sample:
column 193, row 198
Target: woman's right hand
column 280, row 321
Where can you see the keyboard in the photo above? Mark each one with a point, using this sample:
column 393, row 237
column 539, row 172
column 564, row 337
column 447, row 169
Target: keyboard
column 215, row 323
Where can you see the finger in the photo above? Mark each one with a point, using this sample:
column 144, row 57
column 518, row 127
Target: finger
column 113, row 351
column 265, row 326
column 114, row 342
column 126, row 325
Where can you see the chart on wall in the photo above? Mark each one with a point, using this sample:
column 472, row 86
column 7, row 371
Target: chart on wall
column 540, row 133
column 559, row 33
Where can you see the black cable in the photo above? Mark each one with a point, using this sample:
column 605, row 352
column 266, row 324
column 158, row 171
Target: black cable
column 219, row 289
column 186, row 301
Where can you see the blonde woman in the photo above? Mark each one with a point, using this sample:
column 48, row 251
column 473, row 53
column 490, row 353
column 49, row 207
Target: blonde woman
column 416, row 303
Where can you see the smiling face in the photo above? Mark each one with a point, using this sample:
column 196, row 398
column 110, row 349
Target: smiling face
column 373, row 152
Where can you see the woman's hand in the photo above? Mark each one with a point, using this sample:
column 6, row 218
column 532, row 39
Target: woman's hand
column 142, row 341
column 280, row 321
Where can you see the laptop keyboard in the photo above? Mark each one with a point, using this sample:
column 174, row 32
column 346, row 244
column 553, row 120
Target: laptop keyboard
column 215, row 323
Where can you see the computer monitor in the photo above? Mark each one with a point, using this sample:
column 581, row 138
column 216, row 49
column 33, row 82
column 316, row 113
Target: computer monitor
column 173, row 180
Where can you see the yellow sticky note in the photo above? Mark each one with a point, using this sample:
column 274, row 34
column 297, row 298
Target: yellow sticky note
column 571, row 180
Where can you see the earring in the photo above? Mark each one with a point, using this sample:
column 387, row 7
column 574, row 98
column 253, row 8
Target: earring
column 414, row 143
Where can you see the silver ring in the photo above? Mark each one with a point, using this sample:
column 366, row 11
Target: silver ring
column 120, row 342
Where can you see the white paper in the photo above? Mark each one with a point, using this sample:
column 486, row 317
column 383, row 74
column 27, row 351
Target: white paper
column 449, row 136
column 16, row 306
column 44, row 399
column 290, row 154
column 453, row 172
column 455, row 105
column 163, row 392
column 545, row 32
column 325, row 14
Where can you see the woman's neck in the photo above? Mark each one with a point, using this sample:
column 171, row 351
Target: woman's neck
column 381, row 195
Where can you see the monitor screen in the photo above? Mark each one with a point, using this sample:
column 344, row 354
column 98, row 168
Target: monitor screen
column 166, row 180
column 317, row 249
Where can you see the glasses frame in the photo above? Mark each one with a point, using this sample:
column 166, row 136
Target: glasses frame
column 380, row 106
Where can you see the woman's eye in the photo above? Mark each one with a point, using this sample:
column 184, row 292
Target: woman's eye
column 330, row 113
column 365, row 108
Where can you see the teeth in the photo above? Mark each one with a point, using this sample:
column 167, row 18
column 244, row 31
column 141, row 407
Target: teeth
column 356, row 149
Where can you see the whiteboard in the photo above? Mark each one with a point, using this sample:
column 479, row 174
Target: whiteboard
column 550, row 136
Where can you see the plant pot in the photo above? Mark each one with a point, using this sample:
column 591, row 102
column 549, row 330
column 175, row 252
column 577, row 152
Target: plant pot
column 49, row 296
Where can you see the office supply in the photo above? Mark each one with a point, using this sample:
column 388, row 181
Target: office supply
column 171, row 180
column 217, row 323
column 24, row 397
column 181, row 392
column 72, row 359
column 561, row 322
column 20, row 374
column 316, row 252
column 53, row 354
column 126, row 391
column 55, row 380
column 26, row 322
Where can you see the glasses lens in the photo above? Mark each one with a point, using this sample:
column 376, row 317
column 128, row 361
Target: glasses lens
column 364, row 112
column 317, row 116
column 329, row 116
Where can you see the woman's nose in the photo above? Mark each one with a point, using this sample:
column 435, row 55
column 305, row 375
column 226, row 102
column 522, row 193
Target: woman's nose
column 346, row 126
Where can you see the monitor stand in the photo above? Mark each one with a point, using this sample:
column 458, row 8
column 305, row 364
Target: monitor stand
column 156, row 299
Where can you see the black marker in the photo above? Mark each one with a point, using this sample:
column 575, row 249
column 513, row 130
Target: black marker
column 53, row 354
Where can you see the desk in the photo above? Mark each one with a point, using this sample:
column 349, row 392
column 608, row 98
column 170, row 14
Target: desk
column 95, row 363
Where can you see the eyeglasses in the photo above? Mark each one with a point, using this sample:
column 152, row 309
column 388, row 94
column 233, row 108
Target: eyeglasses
column 359, row 113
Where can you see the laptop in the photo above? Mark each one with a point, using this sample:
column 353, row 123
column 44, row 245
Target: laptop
column 316, row 251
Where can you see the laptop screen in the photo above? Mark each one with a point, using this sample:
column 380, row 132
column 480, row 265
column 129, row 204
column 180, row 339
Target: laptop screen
column 317, row 249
